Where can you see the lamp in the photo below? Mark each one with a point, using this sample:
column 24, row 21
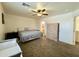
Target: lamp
column 42, row 26
column 43, row 29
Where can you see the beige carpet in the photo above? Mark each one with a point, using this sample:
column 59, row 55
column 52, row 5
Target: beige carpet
column 48, row 48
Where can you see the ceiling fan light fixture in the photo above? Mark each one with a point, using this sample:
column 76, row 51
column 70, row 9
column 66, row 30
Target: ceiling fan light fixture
column 39, row 11
column 39, row 14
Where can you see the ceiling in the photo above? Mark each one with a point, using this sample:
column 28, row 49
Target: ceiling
column 53, row 8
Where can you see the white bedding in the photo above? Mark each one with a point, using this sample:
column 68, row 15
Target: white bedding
column 9, row 48
column 10, row 51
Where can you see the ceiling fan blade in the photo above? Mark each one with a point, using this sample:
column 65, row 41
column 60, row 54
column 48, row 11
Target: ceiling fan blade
column 43, row 10
column 34, row 14
column 34, row 11
column 45, row 14
column 38, row 10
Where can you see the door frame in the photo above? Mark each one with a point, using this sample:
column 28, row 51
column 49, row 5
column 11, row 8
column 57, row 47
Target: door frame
column 74, row 30
column 58, row 31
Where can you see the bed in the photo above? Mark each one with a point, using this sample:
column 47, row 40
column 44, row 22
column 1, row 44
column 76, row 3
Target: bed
column 29, row 35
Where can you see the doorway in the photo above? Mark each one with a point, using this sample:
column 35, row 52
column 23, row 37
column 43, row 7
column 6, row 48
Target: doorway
column 76, row 30
column 53, row 31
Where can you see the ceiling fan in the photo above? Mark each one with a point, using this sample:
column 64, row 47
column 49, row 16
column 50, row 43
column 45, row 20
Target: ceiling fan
column 38, row 11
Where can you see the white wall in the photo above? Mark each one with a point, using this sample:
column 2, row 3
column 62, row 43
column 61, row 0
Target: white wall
column 67, row 30
column 66, row 26
column 1, row 25
column 12, row 22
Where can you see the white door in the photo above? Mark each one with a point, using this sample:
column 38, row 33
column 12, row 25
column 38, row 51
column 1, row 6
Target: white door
column 52, row 31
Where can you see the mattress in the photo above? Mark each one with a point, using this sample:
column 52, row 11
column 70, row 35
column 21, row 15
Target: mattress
column 29, row 35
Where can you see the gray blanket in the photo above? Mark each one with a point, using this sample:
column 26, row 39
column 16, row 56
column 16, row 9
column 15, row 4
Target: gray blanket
column 29, row 35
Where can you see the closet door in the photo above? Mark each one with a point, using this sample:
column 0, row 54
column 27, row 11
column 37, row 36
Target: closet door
column 52, row 31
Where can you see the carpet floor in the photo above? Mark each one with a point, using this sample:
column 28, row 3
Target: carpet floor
column 48, row 48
